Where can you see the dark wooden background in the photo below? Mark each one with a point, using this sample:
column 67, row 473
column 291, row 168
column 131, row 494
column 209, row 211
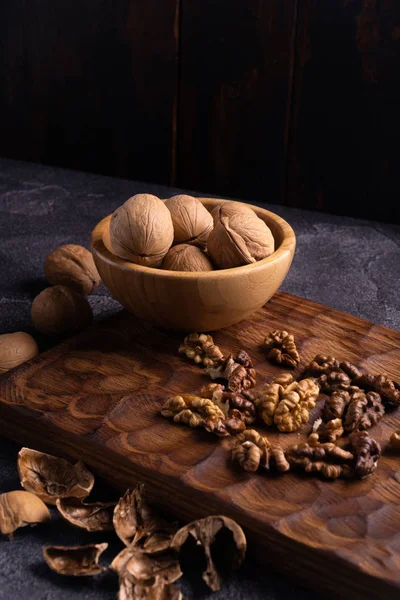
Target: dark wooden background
column 282, row 101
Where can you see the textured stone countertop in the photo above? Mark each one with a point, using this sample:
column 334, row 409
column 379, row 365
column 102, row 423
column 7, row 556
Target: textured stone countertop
column 349, row 264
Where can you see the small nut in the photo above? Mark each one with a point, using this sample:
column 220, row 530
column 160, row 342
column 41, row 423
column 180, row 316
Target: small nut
column 73, row 266
column 60, row 310
column 192, row 221
column 186, row 258
column 141, row 230
column 15, row 349
column 239, row 237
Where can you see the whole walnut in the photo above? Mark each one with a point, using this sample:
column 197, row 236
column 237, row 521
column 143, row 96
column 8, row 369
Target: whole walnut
column 186, row 258
column 60, row 310
column 141, row 230
column 15, row 349
column 239, row 237
column 192, row 221
column 73, row 266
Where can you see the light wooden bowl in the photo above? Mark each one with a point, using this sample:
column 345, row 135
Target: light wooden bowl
column 195, row 301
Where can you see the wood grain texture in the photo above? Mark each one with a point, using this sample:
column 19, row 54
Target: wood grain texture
column 344, row 152
column 192, row 301
column 234, row 96
column 97, row 398
column 90, row 85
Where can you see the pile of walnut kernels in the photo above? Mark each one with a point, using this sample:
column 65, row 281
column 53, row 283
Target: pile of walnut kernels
column 338, row 445
column 155, row 551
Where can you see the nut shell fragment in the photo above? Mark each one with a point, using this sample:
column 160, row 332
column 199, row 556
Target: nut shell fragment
column 221, row 539
column 133, row 518
column 51, row 478
column 15, row 349
column 96, row 516
column 77, row 561
column 19, row 508
column 73, row 266
column 395, row 440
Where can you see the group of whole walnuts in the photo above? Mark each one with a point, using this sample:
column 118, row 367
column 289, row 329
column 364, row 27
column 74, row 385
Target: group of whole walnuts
column 354, row 402
column 59, row 309
column 179, row 234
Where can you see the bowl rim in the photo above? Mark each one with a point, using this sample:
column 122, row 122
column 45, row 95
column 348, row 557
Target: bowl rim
column 287, row 245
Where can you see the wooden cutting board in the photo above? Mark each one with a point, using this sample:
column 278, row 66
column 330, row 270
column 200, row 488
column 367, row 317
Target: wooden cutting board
column 97, row 398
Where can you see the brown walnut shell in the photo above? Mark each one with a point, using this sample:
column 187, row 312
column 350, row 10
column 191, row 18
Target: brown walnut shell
column 141, row 230
column 192, row 221
column 19, row 508
column 133, row 518
column 15, row 349
column 239, row 237
column 59, row 310
column 78, row 561
column 186, row 258
column 51, row 478
column 221, row 539
column 73, row 266
column 95, row 516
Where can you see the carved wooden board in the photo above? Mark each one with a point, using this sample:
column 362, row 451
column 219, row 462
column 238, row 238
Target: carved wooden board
column 97, row 398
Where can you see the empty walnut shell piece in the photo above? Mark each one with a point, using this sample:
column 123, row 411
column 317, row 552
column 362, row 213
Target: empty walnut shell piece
column 51, row 478
column 141, row 230
column 18, row 509
column 59, row 310
column 133, row 518
column 96, row 516
column 192, row 221
column 73, row 266
column 186, row 258
column 77, row 561
column 15, row 349
column 239, row 237
column 222, row 541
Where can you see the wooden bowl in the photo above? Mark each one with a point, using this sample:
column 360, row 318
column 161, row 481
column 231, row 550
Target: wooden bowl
column 195, row 301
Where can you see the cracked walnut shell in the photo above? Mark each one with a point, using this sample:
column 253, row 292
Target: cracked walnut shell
column 51, row 478
column 186, row 258
column 141, row 230
column 191, row 220
column 223, row 544
column 19, row 508
column 239, row 236
column 95, row 516
column 73, row 266
column 15, row 349
column 395, row 440
column 76, row 560
column 59, row 310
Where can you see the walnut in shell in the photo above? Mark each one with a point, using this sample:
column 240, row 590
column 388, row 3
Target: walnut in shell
column 19, row 508
column 15, row 349
column 141, row 230
column 73, row 266
column 186, row 258
column 51, row 478
column 192, row 221
column 239, row 237
column 222, row 541
column 95, row 516
column 59, row 310
column 77, row 561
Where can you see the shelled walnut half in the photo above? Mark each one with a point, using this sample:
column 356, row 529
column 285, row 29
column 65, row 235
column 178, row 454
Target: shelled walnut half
column 237, row 370
column 329, row 460
column 253, row 451
column 282, row 348
column 200, row 348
